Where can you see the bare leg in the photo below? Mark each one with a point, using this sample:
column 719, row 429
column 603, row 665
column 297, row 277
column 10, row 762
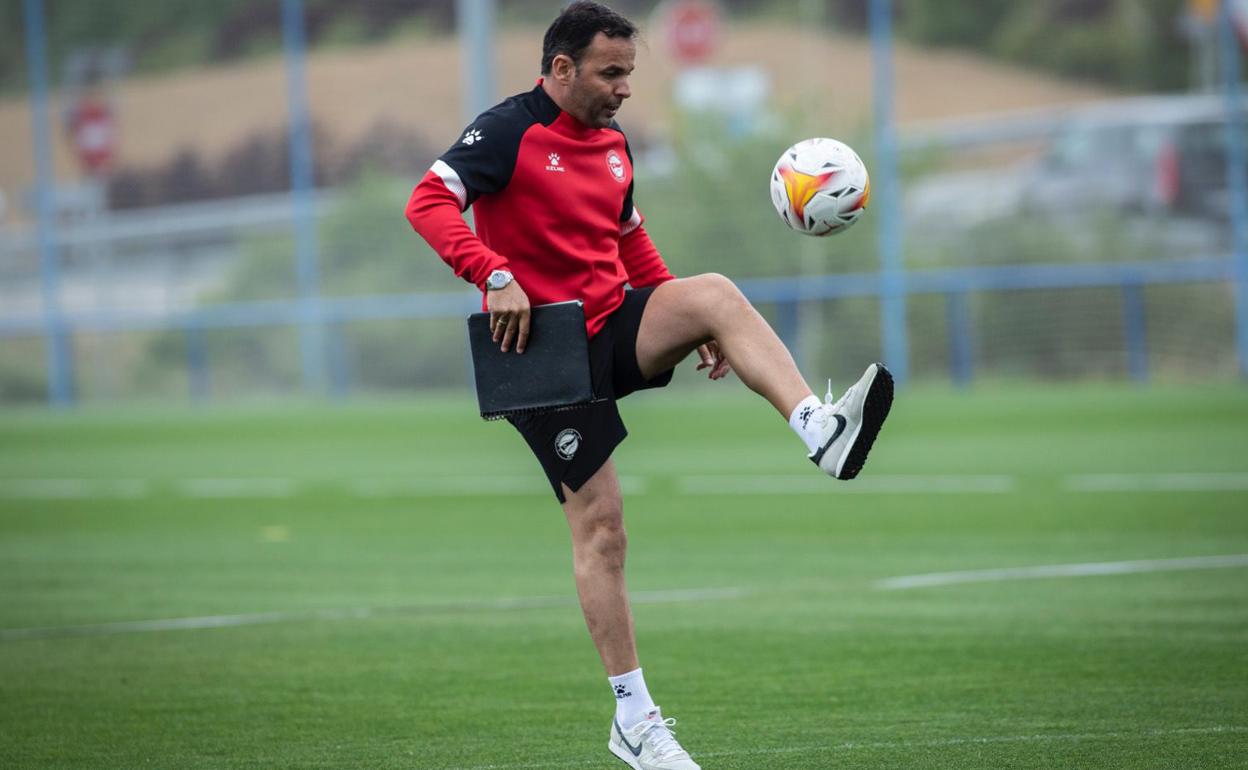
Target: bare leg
column 688, row 312
column 596, row 518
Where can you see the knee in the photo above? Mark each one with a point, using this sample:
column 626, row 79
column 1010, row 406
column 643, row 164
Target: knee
column 601, row 539
column 720, row 293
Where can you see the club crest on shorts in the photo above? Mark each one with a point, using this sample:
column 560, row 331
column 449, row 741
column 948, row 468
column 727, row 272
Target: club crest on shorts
column 567, row 442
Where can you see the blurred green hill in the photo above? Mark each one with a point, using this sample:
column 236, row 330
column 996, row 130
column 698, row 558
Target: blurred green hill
column 1130, row 44
column 1133, row 44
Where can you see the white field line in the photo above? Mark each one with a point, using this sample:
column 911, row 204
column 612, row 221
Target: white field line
column 1061, row 571
column 535, row 485
column 357, row 613
column 1156, row 482
column 953, row 742
column 237, row 487
column 280, row 488
column 816, row 483
column 455, row 486
column 468, row 486
column 74, row 489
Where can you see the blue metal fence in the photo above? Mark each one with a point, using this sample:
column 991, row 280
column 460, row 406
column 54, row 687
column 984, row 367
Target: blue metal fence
column 1237, row 173
column 60, row 362
column 954, row 285
column 320, row 319
column 307, row 268
column 888, row 186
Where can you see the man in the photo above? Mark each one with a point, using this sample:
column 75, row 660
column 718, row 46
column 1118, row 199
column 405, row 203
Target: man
column 550, row 175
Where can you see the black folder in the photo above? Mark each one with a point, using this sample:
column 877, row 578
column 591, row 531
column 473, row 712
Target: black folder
column 552, row 374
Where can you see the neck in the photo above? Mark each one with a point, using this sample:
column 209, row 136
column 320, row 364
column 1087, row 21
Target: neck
column 558, row 96
column 554, row 92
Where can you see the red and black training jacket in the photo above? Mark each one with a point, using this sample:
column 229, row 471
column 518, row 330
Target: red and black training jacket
column 553, row 203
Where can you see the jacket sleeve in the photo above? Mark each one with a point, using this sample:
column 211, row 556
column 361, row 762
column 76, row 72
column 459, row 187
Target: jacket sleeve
column 434, row 211
column 642, row 261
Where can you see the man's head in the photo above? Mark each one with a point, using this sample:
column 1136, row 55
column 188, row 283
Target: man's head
column 587, row 56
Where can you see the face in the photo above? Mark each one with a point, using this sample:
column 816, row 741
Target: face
column 595, row 91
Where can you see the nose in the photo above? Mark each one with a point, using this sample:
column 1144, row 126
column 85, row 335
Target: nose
column 623, row 91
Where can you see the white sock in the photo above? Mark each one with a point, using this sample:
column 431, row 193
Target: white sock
column 805, row 428
column 632, row 699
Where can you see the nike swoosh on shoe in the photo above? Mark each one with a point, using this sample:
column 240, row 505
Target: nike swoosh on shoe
column 840, row 428
column 635, row 749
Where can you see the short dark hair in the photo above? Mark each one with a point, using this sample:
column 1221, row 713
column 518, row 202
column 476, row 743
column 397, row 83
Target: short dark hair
column 575, row 28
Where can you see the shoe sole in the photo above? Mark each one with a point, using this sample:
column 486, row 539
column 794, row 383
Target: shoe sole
column 624, row 755
column 875, row 408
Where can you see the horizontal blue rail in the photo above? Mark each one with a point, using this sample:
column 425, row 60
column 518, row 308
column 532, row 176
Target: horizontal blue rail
column 784, row 290
column 282, row 312
column 992, row 278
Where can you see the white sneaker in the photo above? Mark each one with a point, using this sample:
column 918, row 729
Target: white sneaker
column 650, row 745
column 848, row 427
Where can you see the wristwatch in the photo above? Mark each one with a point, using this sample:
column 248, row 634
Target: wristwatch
column 498, row 280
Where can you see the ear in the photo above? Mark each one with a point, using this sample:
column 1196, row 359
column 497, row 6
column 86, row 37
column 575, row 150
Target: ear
column 563, row 69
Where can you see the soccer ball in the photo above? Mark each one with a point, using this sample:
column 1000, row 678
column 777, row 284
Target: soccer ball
column 820, row 187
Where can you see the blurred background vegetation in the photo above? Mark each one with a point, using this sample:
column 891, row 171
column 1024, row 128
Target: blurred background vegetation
column 701, row 184
column 1131, row 44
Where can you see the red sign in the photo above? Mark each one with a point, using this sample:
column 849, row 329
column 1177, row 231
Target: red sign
column 692, row 28
column 94, row 133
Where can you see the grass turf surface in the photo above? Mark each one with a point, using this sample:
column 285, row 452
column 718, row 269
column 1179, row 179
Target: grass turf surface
column 461, row 645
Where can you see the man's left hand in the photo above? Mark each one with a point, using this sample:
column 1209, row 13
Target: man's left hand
column 713, row 358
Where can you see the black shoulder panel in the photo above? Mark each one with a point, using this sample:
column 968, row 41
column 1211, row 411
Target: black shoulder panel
column 484, row 156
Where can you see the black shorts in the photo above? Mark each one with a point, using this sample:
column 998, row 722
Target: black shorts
column 573, row 444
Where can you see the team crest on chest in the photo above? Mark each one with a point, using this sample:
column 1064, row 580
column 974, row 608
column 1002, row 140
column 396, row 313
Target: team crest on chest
column 616, row 164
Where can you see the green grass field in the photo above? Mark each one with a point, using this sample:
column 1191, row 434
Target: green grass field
column 389, row 586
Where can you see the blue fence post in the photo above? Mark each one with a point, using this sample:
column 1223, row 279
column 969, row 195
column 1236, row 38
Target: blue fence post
column 961, row 342
column 339, row 362
column 1135, row 331
column 307, row 270
column 197, row 363
column 789, row 329
column 1237, row 176
column 886, row 191
column 476, row 47
column 59, row 356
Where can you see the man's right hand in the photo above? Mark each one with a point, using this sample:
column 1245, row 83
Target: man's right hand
column 509, row 315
